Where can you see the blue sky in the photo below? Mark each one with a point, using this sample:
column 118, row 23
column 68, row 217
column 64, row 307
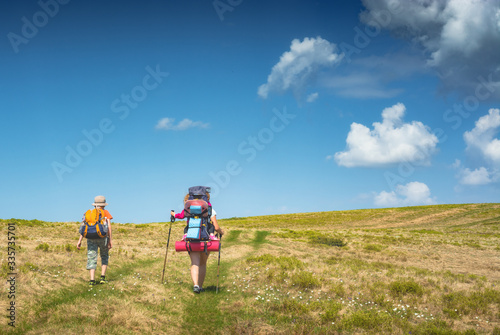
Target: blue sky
column 280, row 106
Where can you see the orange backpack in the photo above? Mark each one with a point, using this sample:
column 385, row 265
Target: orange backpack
column 94, row 224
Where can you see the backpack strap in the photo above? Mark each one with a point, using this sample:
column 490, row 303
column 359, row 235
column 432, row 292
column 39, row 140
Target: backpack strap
column 189, row 248
column 85, row 229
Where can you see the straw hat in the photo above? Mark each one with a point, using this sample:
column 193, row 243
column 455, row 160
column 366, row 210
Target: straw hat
column 100, row 200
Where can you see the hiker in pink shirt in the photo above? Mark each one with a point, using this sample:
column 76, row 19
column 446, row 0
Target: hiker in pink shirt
column 199, row 258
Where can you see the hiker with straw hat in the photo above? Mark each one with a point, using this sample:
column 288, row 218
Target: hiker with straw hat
column 103, row 244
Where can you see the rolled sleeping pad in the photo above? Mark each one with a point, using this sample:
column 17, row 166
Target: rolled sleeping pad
column 197, row 246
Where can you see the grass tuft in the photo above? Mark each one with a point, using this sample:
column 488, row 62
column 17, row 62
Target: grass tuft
column 28, row 266
column 462, row 303
column 285, row 262
column 433, row 327
column 404, row 287
column 43, row 246
column 368, row 320
column 374, row 247
column 305, row 279
column 331, row 311
column 327, row 240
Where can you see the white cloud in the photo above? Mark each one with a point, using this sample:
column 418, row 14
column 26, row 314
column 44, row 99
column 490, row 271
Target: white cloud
column 460, row 38
column 373, row 76
column 390, row 142
column 312, row 97
column 411, row 194
column 478, row 176
column 360, row 86
column 168, row 124
column 481, row 139
column 484, row 150
column 456, row 164
column 386, row 199
column 298, row 66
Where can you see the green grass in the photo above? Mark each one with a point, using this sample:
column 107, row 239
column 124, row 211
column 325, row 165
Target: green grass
column 260, row 238
column 305, row 280
column 201, row 312
column 368, row 320
column 374, row 247
column 43, row 246
column 461, row 303
column 427, row 231
column 327, row 240
column 233, row 236
column 419, row 270
column 284, row 262
column 29, row 223
column 403, row 287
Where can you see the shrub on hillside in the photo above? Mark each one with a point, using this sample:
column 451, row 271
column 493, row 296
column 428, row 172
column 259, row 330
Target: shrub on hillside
column 43, row 246
column 403, row 287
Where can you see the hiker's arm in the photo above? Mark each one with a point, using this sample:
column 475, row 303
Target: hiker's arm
column 178, row 215
column 79, row 244
column 216, row 225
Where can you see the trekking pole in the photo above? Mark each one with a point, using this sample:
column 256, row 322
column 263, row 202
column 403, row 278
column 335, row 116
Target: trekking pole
column 218, row 264
column 172, row 219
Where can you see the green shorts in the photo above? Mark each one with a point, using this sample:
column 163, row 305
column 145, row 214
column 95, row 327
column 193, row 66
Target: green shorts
column 92, row 246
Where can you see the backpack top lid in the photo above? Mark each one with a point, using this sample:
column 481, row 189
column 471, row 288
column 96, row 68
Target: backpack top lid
column 199, row 191
column 196, row 208
column 93, row 216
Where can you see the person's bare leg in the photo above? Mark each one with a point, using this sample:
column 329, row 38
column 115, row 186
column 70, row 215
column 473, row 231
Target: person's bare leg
column 203, row 268
column 195, row 267
column 103, row 270
column 92, row 274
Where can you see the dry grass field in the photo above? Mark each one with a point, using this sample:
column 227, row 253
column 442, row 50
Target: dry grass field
column 414, row 270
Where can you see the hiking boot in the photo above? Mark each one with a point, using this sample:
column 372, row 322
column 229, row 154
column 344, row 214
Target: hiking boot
column 92, row 283
column 196, row 289
column 103, row 280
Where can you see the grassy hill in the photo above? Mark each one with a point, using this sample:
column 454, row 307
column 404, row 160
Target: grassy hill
column 418, row 270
